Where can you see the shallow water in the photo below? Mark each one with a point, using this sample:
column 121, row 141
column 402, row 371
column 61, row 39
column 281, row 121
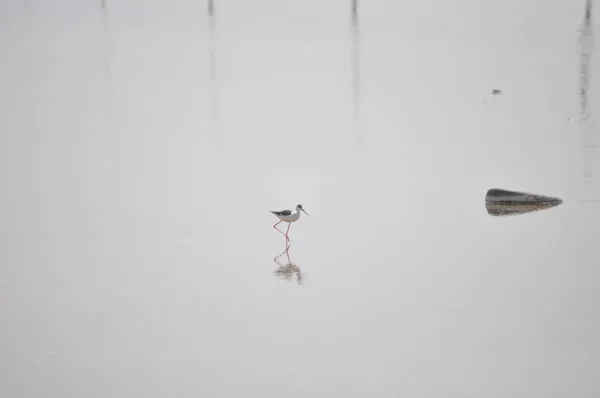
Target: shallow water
column 143, row 144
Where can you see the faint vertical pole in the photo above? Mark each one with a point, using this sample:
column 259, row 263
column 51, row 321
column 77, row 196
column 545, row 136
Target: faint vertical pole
column 107, row 57
column 586, row 43
column 110, row 133
column 586, row 47
column 356, row 84
column 213, row 73
column 29, row 55
column 106, row 29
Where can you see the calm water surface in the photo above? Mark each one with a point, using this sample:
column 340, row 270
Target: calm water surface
column 143, row 143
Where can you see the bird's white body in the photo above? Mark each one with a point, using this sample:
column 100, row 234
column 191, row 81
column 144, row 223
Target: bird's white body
column 294, row 216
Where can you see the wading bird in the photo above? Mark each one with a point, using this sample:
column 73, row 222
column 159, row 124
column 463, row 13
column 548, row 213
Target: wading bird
column 288, row 216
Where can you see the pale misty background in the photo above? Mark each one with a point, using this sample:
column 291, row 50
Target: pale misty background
column 143, row 143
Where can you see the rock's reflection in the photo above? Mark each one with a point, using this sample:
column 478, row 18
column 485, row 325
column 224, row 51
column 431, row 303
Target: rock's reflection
column 509, row 209
column 289, row 270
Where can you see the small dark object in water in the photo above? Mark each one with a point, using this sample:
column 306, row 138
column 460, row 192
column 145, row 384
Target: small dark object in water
column 500, row 202
column 493, row 92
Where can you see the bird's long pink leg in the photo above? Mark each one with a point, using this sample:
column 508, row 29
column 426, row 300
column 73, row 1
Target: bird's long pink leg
column 278, row 230
column 287, row 240
column 289, row 243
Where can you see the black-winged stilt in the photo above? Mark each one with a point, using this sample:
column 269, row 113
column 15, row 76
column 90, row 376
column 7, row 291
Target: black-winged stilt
column 288, row 216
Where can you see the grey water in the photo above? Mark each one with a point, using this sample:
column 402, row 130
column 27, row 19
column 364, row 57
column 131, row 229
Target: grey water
column 143, row 143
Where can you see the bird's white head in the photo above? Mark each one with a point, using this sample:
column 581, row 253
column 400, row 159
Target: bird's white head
column 299, row 209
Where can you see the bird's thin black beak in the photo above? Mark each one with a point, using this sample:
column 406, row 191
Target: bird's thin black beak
column 304, row 212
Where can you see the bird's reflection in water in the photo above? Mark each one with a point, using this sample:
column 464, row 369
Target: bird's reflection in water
column 289, row 270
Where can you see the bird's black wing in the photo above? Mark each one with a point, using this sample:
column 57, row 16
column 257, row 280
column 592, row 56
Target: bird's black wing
column 282, row 212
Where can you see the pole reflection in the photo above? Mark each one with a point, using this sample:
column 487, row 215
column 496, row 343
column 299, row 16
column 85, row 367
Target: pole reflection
column 213, row 72
column 586, row 46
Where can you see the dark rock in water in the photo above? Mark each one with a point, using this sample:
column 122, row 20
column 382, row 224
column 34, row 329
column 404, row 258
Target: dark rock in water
column 502, row 196
column 500, row 202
